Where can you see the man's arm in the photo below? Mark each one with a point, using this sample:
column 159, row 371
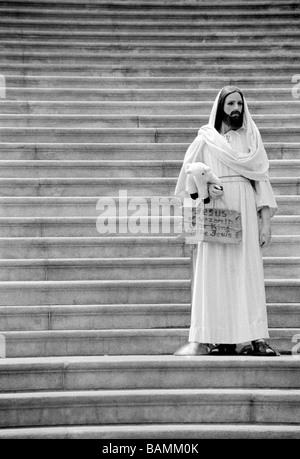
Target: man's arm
column 265, row 230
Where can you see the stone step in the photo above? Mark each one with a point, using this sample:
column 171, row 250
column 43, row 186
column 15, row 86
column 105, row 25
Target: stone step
column 87, row 226
column 153, row 36
column 164, row 6
column 60, row 187
column 106, row 247
column 130, row 135
column 107, row 317
column 100, row 168
column 285, row 224
column 120, row 152
column 122, row 246
column 106, row 269
column 151, row 69
column 283, row 246
column 21, row 344
column 281, row 267
column 86, row 206
column 118, row 168
column 93, row 292
column 147, row 372
column 158, row 4
column 139, row 95
column 164, row 48
column 243, row 406
column 12, row 270
column 167, row 59
column 116, row 291
column 279, row 168
column 132, row 121
column 288, row 205
column 283, row 314
column 156, row 431
column 125, row 316
column 106, row 187
column 136, row 11
column 45, row 81
column 250, row 21
column 105, row 19
column 88, row 343
column 141, row 108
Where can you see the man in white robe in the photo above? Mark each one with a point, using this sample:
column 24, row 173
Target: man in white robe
column 229, row 301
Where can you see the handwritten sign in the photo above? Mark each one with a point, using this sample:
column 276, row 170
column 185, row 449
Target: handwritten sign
column 222, row 225
column 213, row 225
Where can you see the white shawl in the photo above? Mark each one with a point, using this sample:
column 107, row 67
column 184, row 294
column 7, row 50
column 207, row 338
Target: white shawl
column 253, row 165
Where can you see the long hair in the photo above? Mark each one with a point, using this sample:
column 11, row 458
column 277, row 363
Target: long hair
column 220, row 109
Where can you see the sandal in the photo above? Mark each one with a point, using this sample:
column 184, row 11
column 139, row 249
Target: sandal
column 259, row 348
column 224, row 349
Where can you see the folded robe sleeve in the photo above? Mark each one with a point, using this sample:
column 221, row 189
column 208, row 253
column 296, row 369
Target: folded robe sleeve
column 264, row 196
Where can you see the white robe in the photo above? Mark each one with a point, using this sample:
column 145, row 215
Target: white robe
column 229, row 302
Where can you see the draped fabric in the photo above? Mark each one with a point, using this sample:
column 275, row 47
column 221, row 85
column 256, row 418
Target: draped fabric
column 229, row 300
column 252, row 163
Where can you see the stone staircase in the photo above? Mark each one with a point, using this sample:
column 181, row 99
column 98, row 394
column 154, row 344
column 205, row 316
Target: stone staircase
column 106, row 96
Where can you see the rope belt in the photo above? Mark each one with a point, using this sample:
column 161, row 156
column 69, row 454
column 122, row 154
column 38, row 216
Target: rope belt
column 233, row 178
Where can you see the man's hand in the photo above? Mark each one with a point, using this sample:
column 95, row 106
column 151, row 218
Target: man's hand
column 265, row 229
column 214, row 191
column 265, row 235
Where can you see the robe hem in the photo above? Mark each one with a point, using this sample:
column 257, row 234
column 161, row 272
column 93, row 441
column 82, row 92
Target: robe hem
column 200, row 335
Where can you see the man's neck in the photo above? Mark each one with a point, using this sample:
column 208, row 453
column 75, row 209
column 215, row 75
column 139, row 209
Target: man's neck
column 226, row 128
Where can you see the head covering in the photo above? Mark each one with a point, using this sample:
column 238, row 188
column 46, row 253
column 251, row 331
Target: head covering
column 253, row 165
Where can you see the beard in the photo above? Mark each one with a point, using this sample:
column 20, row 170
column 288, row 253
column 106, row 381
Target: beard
column 235, row 120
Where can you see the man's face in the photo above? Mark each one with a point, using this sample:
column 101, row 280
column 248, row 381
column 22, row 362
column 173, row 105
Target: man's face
column 233, row 110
